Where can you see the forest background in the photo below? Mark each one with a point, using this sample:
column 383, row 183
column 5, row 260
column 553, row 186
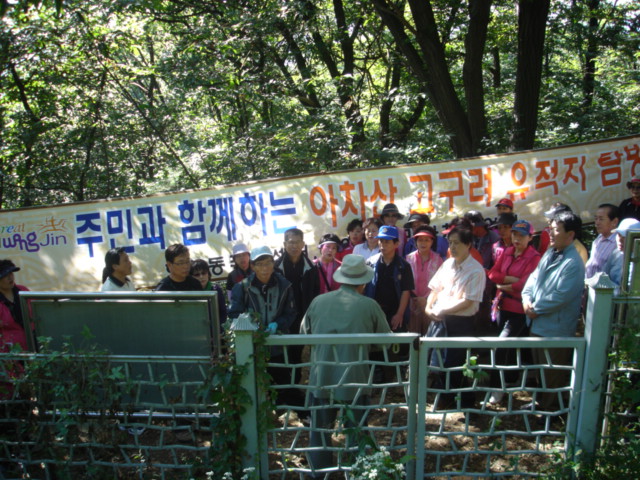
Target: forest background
column 130, row 97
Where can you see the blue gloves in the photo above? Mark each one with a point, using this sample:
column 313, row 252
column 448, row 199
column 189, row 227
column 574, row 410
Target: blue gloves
column 272, row 328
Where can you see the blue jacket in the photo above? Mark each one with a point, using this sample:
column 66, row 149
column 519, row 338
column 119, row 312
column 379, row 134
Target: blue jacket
column 613, row 267
column 555, row 291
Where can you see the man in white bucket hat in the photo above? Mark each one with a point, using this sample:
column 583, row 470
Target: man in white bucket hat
column 342, row 311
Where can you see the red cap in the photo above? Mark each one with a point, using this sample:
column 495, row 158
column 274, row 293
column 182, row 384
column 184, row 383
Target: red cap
column 505, row 202
column 633, row 180
column 424, row 234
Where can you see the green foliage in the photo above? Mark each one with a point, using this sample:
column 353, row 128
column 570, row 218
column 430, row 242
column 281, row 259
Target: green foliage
column 470, row 370
column 66, row 396
column 379, row 465
column 619, row 454
column 223, row 388
column 133, row 97
column 615, row 460
column 76, row 382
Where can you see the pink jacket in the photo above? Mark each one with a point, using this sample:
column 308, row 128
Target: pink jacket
column 521, row 267
column 10, row 331
column 422, row 274
column 325, row 276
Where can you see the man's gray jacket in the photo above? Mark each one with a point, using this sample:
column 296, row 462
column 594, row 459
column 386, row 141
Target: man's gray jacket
column 555, row 291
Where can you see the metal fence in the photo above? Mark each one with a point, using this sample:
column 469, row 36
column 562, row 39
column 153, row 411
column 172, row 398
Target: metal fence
column 515, row 437
column 104, row 417
column 387, row 417
column 406, row 414
column 151, row 417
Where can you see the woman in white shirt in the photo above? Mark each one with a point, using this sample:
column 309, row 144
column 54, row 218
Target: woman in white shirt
column 115, row 273
column 370, row 247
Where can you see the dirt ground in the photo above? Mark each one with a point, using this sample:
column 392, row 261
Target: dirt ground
column 446, row 434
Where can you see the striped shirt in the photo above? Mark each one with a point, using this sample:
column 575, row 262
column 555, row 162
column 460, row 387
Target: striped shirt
column 601, row 250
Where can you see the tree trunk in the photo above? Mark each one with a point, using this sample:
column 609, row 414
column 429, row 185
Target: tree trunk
column 588, row 79
column 389, row 138
column 346, row 88
column 532, row 21
column 479, row 15
column 435, row 78
column 392, row 83
column 91, row 139
column 496, row 69
column 345, row 78
column 307, row 94
column 30, row 137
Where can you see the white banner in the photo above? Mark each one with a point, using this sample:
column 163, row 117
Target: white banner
column 62, row 247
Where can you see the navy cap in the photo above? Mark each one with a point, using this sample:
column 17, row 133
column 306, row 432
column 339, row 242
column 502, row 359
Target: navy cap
column 7, row 267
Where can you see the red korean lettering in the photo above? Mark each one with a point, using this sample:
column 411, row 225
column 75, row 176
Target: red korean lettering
column 318, row 193
column 378, row 193
column 547, row 175
column 573, row 164
column 483, row 182
column 632, row 153
column 518, row 178
column 611, row 170
column 363, row 200
column 451, row 194
column 426, row 179
column 345, row 189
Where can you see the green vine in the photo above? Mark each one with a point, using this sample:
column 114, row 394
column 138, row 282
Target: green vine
column 65, row 394
column 471, row 370
column 224, row 389
column 267, row 402
column 76, row 382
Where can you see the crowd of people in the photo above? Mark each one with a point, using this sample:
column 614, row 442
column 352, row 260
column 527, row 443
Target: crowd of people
column 478, row 276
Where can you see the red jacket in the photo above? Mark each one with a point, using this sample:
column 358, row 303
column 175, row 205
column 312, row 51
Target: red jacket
column 521, row 267
column 10, row 331
column 545, row 240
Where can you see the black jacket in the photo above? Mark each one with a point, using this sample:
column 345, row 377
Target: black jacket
column 305, row 290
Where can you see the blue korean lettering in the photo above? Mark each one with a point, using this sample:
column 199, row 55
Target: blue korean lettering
column 87, row 222
column 119, row 225
column 153, row 229
column 193, row 234
column 223, row 217
column 283, row 207
column 256, row 206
